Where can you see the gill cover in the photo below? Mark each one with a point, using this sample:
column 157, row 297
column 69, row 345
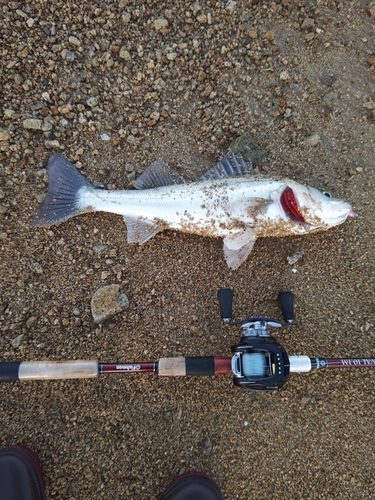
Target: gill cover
column 310, row 206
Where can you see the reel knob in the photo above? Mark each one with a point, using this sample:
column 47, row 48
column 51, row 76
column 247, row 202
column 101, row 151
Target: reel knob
column 286, row 300
column 225, row 296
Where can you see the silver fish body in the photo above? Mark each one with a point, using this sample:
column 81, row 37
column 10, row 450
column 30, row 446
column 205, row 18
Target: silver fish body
column 223, row 203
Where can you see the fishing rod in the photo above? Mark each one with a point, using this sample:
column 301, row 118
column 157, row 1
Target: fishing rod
column 258, row 361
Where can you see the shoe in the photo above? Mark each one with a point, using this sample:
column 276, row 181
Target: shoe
column 21, row 474
column 192, row 486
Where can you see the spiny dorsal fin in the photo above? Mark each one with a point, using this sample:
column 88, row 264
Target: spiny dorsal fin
column 229, row 166
column 157, row 174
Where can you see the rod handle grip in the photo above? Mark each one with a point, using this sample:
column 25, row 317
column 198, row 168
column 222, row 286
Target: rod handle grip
column 286, row 300
column 43, row 370
column 198, row 366
column 225, row 296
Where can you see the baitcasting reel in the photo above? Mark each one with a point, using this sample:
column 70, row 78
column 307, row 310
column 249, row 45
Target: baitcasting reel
column 259, row 362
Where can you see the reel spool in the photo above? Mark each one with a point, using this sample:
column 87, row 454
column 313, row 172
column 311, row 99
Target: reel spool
column 261, row 366
column 259, row 362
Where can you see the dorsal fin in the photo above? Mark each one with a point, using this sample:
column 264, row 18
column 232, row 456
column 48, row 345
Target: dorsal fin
column 229, row 166
column 157, row 174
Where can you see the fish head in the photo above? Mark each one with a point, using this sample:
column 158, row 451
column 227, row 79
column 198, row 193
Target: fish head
column 311, row 208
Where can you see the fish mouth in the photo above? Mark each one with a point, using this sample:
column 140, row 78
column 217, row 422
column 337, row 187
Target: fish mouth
column 290, row 206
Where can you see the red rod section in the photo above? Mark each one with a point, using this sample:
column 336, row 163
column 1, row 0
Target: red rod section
column 348, row 363
column 223, row 365
column 127, row 367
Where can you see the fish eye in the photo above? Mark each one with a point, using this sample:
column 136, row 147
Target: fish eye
column 326, row 193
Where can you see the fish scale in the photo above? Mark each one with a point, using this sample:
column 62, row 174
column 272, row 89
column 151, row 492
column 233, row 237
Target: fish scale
column 197, row 204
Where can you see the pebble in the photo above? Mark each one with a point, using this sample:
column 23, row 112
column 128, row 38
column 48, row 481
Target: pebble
column 21, row 13
column 74, row 41
column 308, row 24
column 202, row 19
column 108, row 301
column 2, row 194
column 52, row 144
column 88, row 474
column 92, row 101
column 295, row 257
column 328, row 78
column 270, row 36
column 207, row 446
column 131, row 139
column 161, row 25
column 155, row 115
column 99, row 248
column 65, row 109
column 33, row 123
column 70, row 56
column 17, row 341
column 8, row 113
column 312, row 140
column 30, row 322
column 47, row 125
column 284, row 76
column 124, row 54
column 4, row 135
column 230, row 5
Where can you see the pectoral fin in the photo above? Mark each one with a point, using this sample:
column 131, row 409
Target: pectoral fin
column 237, row 247
column 139, row 230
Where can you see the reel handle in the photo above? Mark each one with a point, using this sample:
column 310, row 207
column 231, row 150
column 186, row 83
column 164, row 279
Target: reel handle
column 225, row 296
column 286, row 300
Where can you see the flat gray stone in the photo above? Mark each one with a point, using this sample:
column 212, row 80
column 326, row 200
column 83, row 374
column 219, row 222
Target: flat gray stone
column 108, row 301
column 33, row 123
column 248, row 150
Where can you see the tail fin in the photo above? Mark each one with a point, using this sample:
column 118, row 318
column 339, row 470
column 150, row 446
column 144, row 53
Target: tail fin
column 60, row 203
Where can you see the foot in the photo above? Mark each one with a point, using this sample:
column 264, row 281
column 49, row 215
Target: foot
column 192, row 486
column 21, row 474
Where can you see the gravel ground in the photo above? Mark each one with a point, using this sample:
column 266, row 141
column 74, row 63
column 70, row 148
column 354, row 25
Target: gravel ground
column 114, row 86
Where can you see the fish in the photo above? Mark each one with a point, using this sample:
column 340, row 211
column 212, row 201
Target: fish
column 227, row 201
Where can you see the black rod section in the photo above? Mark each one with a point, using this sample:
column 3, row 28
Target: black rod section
column 9, row 371
column 203, row 365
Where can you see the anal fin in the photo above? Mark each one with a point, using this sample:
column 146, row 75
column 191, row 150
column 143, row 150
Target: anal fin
column 140, row 230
